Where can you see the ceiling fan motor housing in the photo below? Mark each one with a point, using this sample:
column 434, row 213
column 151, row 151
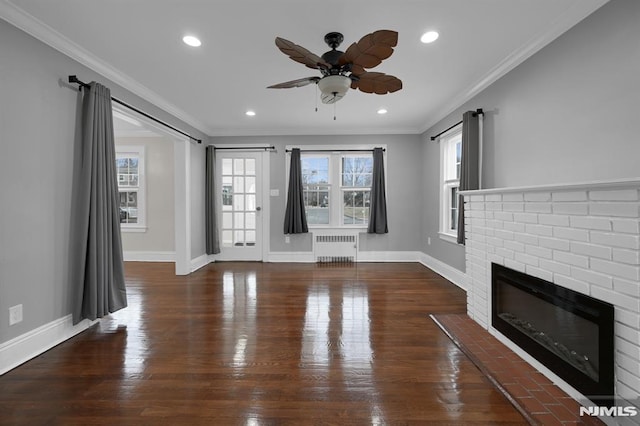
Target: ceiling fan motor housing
column 331, row 57
column 333, row 39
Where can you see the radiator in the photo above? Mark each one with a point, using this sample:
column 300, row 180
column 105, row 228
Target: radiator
column 335, row 248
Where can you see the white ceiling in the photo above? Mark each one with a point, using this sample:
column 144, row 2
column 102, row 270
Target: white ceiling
column 138, row 45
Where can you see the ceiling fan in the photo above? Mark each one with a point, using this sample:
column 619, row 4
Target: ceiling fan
column 343, row 70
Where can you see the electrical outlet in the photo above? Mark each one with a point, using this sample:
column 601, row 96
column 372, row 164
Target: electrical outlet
column 287, row 239
column 15, row 314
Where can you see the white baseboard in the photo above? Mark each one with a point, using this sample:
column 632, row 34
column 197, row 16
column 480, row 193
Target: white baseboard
column 149, row 256
column 362, row 256
column 454, row 275
column 295, row 257
column 21, row 349
column 200, row 262
column 388, row 256
column 457, row 277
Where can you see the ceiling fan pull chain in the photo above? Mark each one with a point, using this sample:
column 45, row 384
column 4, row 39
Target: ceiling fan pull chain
column 317, row 97
column 334, row 111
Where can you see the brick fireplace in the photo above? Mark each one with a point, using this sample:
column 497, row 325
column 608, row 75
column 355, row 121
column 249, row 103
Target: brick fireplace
column 583, row 237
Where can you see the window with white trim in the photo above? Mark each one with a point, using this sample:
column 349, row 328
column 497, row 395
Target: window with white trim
column 356, row 176
column 131, row 186
column 450, row 157
column 337, row 188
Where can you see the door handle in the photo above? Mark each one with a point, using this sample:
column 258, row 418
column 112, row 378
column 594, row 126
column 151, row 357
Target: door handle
column 258, row 209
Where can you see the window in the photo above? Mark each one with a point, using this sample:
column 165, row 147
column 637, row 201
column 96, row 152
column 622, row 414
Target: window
column 450, row 158
column 337, row 187
column 130, row 172
column 239, row 202
column 356, row 177
column 316, row 189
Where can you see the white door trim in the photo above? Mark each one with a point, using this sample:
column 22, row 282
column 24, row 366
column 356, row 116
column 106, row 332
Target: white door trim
column 182, row 187
column 182, row 167
column 264, row 216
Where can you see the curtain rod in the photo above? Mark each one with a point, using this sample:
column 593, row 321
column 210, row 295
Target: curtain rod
column 478, row 112
column 336, row 150
column 74, row 79
column 266, row 148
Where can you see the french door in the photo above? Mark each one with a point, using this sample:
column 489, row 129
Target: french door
column 239, row 203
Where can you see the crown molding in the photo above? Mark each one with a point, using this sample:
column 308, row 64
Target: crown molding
column 41, row 31
column 573, row 15
column 314, row 131
column 135, row 134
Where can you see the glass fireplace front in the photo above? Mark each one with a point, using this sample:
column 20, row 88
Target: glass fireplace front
column 570, row 333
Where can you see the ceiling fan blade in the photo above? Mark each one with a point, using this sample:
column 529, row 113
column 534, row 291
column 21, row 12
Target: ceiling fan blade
column 357, row 69
column 377, row 82
column 371, row 50
column 300, row 54
column 295, row 83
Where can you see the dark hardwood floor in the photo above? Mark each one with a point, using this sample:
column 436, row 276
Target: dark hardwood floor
column 263, row 344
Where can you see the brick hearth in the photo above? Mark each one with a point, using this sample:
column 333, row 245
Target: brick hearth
column 536, row 397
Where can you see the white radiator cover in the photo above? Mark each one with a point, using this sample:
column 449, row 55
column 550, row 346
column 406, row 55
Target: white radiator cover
column 334, row 247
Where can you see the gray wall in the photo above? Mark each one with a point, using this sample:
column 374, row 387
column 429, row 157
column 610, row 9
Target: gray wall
column 159, row 196
column 403, row 189
column 38, row 129
column 567, row 114
column 445, row 251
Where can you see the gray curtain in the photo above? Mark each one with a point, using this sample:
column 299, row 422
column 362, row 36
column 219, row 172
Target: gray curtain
column 469, row 167
column 97, row 266
column 211, row 213
column 295, row 218
column 378, row 206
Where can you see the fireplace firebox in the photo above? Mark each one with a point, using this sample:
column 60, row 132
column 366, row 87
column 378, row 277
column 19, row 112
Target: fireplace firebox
column 569, row 333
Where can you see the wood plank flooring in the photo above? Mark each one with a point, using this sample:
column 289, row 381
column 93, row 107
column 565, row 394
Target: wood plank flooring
column 263, row 344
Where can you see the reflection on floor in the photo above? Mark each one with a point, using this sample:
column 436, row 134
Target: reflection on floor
column 264, row 344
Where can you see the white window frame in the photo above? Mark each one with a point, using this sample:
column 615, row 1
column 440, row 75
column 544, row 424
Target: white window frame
column 127, row 151
column 448, row 181
column 343, row 189
column 336, row 190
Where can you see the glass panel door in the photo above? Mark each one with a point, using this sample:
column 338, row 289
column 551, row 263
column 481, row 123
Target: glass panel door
column 239, row 200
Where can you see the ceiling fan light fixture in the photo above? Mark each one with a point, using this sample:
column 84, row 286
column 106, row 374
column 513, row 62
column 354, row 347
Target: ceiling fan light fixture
column 333, row 88
column 429, row 37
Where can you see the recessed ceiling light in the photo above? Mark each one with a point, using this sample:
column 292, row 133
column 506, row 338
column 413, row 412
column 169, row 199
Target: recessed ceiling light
column 250, row 113
column 192, row 41
column 382, row 111
column 429, row 37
